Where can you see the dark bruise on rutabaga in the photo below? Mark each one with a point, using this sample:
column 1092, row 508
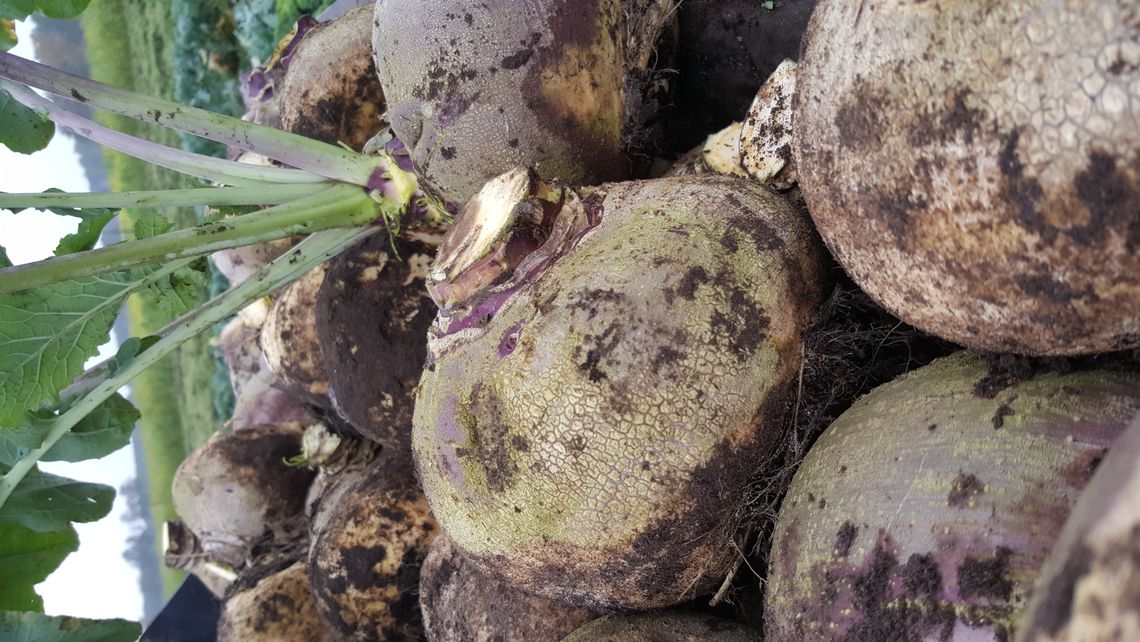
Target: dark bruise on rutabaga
column 586, row 429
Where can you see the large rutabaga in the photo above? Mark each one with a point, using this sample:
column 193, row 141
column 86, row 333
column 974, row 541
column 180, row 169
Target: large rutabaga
column 586, row 429
column 975, row 165
column 925, row 511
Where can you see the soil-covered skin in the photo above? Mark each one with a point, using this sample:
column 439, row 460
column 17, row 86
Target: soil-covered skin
column 475, row 90
column 728, row 48
column 236, row 490
column 918, row 516
column 367, row 547
column 462, row 604
column 590, row 438
column 1089, row 590
column 270, row 607
column 330, row 91
column 373, row 315
column 975, row 167
column 664, row 627
column 289, row 339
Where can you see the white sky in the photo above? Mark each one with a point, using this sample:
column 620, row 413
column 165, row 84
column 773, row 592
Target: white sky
column 96, row 581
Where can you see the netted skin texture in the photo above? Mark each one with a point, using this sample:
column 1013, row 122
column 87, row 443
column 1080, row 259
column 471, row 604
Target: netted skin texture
column 591, row 437
column 975, row 165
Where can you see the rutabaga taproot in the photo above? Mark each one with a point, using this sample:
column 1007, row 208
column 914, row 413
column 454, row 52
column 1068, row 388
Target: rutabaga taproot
column 236, row 490
column 586, row 428
column 329, row 91
column 476, row 89
column 663, row 627
column 1089, row 589
column 372, row 319
column 269, row 603
column 459, row 603
column 925, row 511
column 975, row 166
column 367, row 544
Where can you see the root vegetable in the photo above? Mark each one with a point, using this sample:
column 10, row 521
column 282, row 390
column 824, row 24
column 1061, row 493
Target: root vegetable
column 975, row 167
column 257, row 401
column 461, row 604
column 663, row 627
column 290, row 342
column 367, row 547
column 373, row 315
column 925, row 511
column 330, row 91
column 477, row 89
column 268, row 605
column 1089, row 589
column 585, row 430
column 237, row 490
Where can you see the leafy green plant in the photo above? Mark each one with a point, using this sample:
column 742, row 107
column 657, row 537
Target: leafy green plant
column 54, row 314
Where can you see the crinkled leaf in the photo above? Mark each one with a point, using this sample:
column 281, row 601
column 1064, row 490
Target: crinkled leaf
column 58, row 9
column 21, row 129
column 106, row 429
column 128, row 350
column 36, row 627
column 44, row 502
column 92, row 220
column 180, row 292
column 27, row 558
column 7, row 35
column 47, row 333
column 148, row 224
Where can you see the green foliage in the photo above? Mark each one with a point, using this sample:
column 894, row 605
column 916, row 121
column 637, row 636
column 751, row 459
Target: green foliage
column 46, row 503
column 181, row 291
column 34, row 627
column 91, row 224
column 21, row 129
column 27, row 558
column 107, row 429
column 47, row 333
column 59, row 9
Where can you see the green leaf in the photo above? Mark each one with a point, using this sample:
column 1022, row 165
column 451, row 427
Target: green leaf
column 62, row 9
column 7, row 35
column 107, row 429
column 4, row 260
column 36, row 627
column 148, row 223
column 16, row 9
column 128, row 350
column 21, row 129
column 47, row 333
column 180, row 292
column 58, row 9
column 27, row 558
column 91, row 224
column 44, row 502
